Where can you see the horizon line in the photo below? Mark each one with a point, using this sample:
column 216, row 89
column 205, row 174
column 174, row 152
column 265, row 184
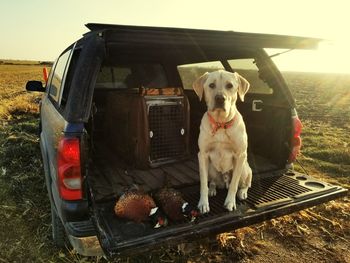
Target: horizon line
column 8, row 63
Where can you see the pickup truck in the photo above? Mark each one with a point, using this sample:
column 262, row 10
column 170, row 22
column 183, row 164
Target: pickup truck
column 119, row 109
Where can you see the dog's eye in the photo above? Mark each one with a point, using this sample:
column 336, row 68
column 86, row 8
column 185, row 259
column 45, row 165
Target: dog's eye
column 229, row 86
column 212, row 85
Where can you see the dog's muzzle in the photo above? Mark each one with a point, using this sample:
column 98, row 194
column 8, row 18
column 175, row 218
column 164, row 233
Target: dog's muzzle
column 219, row 102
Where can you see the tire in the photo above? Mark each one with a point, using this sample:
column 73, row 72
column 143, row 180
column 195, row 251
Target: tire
column 58, row 232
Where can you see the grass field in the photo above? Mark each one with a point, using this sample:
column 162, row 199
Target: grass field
column 319, row 234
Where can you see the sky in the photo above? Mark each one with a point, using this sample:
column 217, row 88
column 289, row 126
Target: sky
column 40, row 30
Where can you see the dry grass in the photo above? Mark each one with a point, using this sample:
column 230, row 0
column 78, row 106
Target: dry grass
column 14, row 98
column 319, row 234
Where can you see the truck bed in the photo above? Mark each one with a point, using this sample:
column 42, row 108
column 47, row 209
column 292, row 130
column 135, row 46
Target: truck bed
column 111, row 176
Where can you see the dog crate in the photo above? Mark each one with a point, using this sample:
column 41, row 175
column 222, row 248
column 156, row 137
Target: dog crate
column 148, row 130
column 167, row 128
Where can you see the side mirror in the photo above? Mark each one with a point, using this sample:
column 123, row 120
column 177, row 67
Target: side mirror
column 34, row 85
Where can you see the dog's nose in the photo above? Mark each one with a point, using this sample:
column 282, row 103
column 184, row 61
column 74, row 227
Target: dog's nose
column 219, row 99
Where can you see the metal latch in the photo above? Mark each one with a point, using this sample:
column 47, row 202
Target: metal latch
column 255, row 106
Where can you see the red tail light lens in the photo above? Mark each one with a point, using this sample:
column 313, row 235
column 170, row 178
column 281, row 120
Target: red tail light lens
column 296, row 139
column 69, row 170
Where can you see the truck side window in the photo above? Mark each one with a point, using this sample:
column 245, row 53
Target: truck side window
column 49, row 80
column 69, row 76
column 58, row 74
column 248, row 69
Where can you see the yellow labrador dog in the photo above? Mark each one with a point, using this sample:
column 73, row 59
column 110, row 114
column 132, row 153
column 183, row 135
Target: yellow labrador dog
column 223, row 139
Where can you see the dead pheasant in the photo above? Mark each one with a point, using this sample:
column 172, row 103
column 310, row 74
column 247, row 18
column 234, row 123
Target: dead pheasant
column 174, row 206
column 138, row 206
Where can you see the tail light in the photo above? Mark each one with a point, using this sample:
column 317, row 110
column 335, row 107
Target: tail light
column 296, row 139
column 69, row 170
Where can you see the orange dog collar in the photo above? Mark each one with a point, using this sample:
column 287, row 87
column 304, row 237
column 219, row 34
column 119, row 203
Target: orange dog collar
column 220, row 125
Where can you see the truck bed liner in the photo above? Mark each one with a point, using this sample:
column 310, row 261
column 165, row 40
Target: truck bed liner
column 111, row 176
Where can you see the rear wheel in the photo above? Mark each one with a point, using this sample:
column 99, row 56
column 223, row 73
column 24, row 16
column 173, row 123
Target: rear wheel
column 58, row 233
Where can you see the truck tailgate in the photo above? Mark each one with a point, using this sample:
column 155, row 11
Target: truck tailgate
column 271, row 195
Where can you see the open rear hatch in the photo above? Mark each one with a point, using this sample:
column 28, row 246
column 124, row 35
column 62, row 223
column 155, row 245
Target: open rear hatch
column 202, row 39
column 272, row 194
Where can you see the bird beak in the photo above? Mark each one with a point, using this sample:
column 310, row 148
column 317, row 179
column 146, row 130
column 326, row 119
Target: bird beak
column 161, row 222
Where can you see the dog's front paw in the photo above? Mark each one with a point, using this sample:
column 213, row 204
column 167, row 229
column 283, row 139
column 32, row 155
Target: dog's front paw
column 243, row 193
column 203, row 206
column 230, row 203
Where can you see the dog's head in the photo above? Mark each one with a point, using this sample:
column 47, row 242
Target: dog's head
column 220, row 89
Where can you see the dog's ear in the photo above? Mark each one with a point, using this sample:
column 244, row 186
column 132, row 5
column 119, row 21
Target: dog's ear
column 198, row 85
column 243, row 86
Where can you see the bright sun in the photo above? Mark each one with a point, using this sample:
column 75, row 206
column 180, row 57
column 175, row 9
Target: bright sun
column 336, row 56
column 330, row 57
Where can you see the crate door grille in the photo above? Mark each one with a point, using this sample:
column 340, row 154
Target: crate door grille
column 167, row 138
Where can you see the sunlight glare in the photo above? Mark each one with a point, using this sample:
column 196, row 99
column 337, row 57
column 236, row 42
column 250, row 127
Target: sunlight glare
column 330, row 57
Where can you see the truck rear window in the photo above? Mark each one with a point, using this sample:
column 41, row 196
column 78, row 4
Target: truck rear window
column 190, row 72
column 131, row 76
column 248, row 69
column 245, row 67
